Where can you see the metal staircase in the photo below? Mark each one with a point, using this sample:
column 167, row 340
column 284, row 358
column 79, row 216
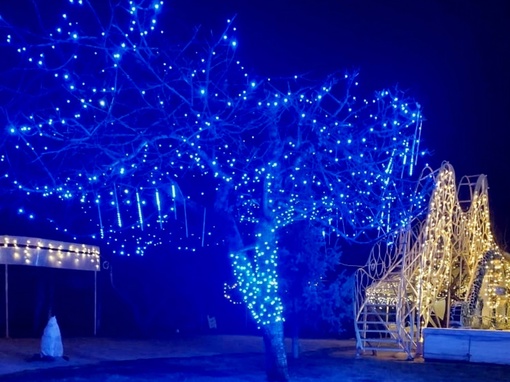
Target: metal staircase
column 424, row 275
column 381, row 321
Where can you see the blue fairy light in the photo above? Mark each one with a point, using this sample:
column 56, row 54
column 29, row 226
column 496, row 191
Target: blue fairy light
column 135, row 137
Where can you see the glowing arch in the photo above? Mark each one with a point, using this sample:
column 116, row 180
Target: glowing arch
column 429, row 274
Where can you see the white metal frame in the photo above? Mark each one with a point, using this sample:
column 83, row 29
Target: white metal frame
column 412, row 278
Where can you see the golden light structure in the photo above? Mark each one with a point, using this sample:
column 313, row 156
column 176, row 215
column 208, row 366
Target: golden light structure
column 444, row 270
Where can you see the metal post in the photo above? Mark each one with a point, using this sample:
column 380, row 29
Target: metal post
column 6, row 301
column 448, row 303
column 95, row 303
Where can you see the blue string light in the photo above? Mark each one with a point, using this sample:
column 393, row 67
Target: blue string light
column 124, row 109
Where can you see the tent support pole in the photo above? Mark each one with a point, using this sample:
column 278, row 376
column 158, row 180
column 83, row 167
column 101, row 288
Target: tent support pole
column 6, row 301
column 95, row 303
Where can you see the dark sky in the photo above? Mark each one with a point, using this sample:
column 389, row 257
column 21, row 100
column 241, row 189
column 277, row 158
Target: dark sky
column 452, row 56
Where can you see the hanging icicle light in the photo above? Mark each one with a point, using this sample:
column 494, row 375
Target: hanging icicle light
column 139, row 206
column 158, row 205
column 119, row 219
column 101, row 228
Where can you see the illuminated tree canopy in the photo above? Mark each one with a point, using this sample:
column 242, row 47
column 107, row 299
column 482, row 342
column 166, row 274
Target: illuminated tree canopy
column 108, row 108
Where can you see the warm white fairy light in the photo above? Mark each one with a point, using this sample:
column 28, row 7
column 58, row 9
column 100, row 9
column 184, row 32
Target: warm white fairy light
column 48, row 253
column 450, row 255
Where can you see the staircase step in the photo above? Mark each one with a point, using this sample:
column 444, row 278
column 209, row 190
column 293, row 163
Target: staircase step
column 380, row 305
column 372, row 348
column 381, row 340
column 393, row 323
column 379, row 331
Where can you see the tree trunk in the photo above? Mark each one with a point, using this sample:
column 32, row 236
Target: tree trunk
column 276, row 357
column 295, row 346
column 295, row 331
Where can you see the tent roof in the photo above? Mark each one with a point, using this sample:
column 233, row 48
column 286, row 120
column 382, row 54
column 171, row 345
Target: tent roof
column 32, row 251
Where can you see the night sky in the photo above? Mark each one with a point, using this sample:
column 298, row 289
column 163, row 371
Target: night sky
column 452, row 56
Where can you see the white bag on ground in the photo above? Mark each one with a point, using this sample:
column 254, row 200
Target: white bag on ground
column 51, row 342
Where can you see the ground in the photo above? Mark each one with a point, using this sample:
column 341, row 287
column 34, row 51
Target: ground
column 223, row 358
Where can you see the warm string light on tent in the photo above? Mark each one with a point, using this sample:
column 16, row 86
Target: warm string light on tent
column 41, row 252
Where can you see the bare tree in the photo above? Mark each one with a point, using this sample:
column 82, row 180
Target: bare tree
column 106, row 109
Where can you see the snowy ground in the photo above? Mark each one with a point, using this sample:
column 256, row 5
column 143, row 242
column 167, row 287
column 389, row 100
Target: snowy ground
column 84, row 351
column 219, row 358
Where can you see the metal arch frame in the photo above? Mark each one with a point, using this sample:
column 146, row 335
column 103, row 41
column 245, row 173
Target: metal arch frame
column 412, row 277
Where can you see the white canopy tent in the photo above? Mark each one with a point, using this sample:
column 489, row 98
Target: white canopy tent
column 20, row 250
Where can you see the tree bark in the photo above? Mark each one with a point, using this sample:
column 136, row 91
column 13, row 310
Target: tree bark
column 295, row 346
column 276, row 357
column 295, row 331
